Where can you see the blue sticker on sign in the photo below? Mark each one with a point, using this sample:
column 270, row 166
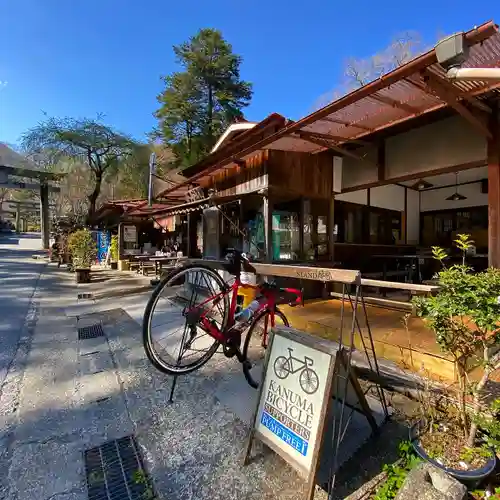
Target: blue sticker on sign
column 285, row 434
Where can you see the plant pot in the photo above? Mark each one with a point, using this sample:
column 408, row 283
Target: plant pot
column 114, row 265
column 470, row 478
column 82, row 275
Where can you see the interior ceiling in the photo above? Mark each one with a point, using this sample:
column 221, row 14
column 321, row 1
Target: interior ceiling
column 471, row 175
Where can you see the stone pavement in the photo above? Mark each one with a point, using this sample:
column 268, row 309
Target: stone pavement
column 77, row 394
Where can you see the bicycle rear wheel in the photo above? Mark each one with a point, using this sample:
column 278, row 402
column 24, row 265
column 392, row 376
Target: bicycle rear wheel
column 174, row 339
column 254, row 348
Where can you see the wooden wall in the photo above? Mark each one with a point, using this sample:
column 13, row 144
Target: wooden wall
column 241, row 179
column 301, row 173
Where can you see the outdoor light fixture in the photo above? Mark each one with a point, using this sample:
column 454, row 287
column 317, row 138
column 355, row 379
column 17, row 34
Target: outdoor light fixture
column 421, row 184
column 456, row 196
column 452, row 52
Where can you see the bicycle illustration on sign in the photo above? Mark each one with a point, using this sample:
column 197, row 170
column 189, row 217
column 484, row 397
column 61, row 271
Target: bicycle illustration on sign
column 308, row 378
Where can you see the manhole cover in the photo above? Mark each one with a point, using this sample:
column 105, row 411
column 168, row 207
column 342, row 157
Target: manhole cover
column 90, row 332
column 115, row 472
column 84, row 296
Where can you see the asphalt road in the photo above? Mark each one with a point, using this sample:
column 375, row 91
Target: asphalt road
column 19, row 273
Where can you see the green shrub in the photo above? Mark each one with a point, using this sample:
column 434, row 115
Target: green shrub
column 82, row 248
column 113, row 249
column 397, row 472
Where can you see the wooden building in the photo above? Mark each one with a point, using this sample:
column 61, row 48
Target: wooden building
column 400, row 164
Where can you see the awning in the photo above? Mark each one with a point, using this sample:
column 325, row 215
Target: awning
column 409, row 91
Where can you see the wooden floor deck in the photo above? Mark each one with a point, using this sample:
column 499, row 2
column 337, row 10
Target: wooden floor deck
column 412, row 347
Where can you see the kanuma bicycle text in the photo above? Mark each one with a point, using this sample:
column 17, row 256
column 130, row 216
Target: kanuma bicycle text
column 294, row 405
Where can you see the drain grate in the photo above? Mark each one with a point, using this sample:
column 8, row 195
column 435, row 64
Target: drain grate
column 115, row 472
column 90, row 332
column 84, row 296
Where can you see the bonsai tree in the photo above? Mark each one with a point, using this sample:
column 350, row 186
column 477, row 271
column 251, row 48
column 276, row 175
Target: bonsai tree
column 82, row 248
column 465, row 316
column 113, row 249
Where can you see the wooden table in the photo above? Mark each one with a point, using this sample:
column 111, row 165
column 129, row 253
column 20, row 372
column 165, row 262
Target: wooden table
column 159, row 260
column 140, row 260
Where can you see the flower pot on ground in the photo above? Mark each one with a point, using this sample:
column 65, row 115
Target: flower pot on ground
column 465, row 316
column 83, row 252
column 472, row 476
column 82, row 275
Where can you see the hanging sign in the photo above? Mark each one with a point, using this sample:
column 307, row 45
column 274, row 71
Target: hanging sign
column 195, row 194
column 294, row 399
column 130, row 234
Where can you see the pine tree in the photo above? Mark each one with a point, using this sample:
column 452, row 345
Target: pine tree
column 198, row 103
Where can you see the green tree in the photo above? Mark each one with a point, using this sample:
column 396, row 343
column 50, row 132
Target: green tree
column 199, row 102
column 93, row 144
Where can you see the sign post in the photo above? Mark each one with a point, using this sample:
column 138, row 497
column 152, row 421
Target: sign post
column 152, row 171
column 296, row 400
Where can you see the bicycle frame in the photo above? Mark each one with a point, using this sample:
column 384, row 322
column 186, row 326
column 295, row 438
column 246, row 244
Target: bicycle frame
column 293, row 361
column 269, row 303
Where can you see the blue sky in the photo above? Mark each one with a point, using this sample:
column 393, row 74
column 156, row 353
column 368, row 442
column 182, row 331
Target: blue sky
column 84, row 57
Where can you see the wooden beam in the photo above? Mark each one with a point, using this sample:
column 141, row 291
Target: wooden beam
column 346, row 123
column 457, row 93
column 313, row 139
column 435, row 85
column 494, row 192
column 338, row 138
column 418, row 175
column 395, row 104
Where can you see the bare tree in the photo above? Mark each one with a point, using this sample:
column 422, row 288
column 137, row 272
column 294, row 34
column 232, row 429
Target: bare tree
column 358, row 72
column 87, row 141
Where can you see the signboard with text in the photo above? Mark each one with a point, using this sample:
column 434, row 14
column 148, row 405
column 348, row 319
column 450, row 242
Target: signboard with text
column 130, row 234
column 292, row 399
column 295, row 398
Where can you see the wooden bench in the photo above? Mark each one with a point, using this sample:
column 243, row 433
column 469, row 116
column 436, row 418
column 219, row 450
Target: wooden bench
column 134, row 266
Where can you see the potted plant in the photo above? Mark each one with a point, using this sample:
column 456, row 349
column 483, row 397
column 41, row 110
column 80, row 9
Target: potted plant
column 465, row 316
column 113, row 250
column 83, row 252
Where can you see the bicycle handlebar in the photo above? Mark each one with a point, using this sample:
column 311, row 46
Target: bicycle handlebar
column 240, row 260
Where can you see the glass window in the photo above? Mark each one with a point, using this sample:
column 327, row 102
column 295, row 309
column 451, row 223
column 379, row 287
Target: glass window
column 286, row 239
column 322, row 235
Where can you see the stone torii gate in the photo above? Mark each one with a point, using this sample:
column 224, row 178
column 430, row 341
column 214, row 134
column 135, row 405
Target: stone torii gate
column 43, row 186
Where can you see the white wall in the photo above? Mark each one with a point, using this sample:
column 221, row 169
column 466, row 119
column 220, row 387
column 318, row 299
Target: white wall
column 360, row 197
column 413, row 217
column 435, row 199
column 446, row 143
column 449, row 142
column 391, row 197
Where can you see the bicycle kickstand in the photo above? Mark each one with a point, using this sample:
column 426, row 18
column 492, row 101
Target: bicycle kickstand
column 172, row 389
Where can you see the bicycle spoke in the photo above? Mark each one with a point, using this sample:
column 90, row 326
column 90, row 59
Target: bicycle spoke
column 177, row 338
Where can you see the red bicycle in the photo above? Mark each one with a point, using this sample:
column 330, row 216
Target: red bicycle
column 193, row 311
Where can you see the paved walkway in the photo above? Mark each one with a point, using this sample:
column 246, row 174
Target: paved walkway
column 77, row 394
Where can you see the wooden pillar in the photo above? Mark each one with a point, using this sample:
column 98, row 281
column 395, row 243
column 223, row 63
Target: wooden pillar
column 330, row 225
column 301, row 228
column 18, row 217
column 494, row 192
column 404, row 222
column 188, row 235
column 44, row 214
column 268, row 227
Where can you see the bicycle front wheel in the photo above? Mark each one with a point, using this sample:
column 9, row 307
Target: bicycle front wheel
column 254, row 349
column 174, row 339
